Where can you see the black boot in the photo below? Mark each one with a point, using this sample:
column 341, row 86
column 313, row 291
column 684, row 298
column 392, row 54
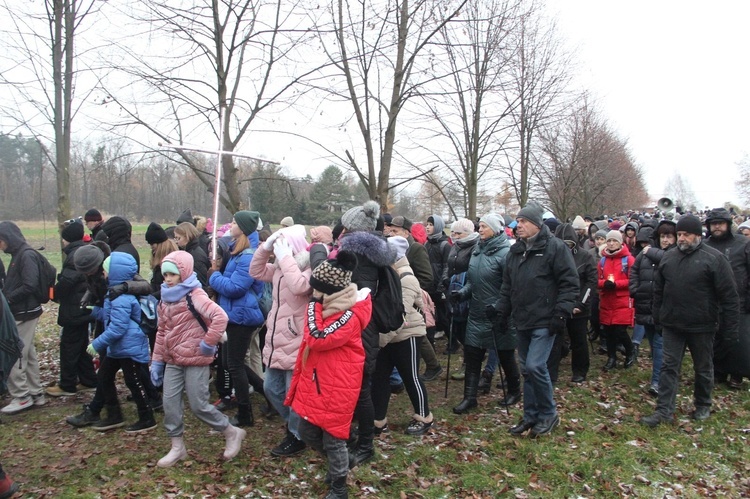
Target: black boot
column 244, row 416
column 113, row 420
column 362, row 453
column 514, row 393
column 338, row 489
column 485, row 383
column 145, row 422
column 471, row 386
column 611, row 364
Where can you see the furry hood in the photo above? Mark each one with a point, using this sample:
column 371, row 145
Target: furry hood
column 369, row 245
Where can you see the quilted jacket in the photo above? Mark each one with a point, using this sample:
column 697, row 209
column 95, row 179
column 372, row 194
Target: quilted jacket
column 615, row 306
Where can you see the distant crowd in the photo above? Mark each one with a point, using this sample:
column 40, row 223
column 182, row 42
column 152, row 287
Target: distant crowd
column 325, row 324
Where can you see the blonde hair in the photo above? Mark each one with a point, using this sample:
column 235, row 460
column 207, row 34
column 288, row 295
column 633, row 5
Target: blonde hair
column 188, row 230
column 162, row 249
column 200, row 223
column 240, row 244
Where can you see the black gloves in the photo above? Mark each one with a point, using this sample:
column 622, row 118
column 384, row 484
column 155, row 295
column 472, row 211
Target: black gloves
column 490, row 312
column 117, row 290
column 610, row 285
column 454, row 296
column 557, row 324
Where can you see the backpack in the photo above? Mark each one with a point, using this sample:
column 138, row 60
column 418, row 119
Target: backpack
column 624, row 265
column 427, row 310
column 149, row 322
column 47, row 277
column 265, row 299
column 460, row 310
column 388, row 301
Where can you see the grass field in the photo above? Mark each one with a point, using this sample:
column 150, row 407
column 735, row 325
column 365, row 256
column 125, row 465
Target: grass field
column 599, row 450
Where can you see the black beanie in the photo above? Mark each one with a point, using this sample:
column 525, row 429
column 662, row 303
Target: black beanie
column 73, row 232
column 87, row 259
column 186, row 216
column 93, row 215
column 690, row 224
column 155, row 234
column 332, row 276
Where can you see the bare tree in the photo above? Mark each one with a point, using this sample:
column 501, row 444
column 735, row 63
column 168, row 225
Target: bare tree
column 678, row 189
column 743, row 183
column 467, row 107
column 540, row 72
column 378, row 49
column 582, row 167
column 249, row 48
column 45, row 82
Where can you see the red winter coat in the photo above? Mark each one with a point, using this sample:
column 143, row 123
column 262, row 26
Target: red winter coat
column 615, row 306
column 328, row 373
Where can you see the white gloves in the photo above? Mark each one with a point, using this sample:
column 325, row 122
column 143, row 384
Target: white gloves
column 281, row 249
column 268, row 244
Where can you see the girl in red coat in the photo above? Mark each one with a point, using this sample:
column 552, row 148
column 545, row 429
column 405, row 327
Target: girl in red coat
column 615, row 305
column 328, row 373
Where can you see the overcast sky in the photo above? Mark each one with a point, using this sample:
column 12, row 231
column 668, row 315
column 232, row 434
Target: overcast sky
column 673, row 78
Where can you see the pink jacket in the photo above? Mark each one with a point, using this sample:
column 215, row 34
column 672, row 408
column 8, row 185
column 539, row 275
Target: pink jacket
column 291, row 294
column 179, row 333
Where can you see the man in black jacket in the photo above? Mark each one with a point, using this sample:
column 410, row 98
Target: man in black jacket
column 23, row 293
column 539, row 292
column 692, row 284
column 735, row 363
column 76, row 365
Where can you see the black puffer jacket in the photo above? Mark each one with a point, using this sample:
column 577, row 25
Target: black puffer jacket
column 372, row 253
column 21, row 287
column 70, row 288
column 586, row 269
column 438, row 249
column 737, row 249
column 539, row 283
column 200, row 261
column 118, row 232
column 691, row 288
column 458, row 259
column 642, row 279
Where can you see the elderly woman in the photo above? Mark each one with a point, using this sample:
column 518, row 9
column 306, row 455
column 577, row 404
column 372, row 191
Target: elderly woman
column 484, row 279
column 290, row 274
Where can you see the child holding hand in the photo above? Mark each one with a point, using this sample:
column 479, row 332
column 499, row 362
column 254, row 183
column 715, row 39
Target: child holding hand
column 185, row 346
column 328, row 372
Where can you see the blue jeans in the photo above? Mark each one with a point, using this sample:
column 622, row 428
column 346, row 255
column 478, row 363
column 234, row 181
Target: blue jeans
column 534, row 347
column 491, row 364
column 276, row 383
column 639, row 331
column 656, row 340
column 395, row 378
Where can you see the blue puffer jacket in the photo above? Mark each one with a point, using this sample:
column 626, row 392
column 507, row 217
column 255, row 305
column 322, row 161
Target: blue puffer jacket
column 122, row 337
column 238, row 291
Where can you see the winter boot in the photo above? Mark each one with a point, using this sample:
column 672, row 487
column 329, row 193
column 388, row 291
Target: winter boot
column 86, row 418
column 471, row 385
column 513, row 396
column 145, row 422
column 176, row 453
column 113, row 420
column 338, row 489
column 362, row 453
column 244, row 416
column 611, row 364
column 485, row 383
column 8, row 488
column 234, row 437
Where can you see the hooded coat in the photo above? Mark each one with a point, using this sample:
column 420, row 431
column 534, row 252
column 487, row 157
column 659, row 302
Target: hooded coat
column 586, row 269
column 484, row 278
column 642, row 281
column 22, row 278
column 119, row 232
column 179, row 333
column 328, row 371
column 737, row 250
column 373, row 253
column 291, row 294
column 438, row 250
column 122, row 337
column 615, row 305
column 70, row 288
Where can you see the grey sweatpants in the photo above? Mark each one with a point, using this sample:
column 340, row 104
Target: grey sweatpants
column 194, row 381
column 24, row 380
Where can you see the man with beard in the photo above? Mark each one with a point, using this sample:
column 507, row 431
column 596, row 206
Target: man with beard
column 692, row 284
column 736, row 248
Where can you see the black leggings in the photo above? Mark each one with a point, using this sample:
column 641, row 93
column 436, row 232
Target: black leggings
column 132, row 371
column 234, row 351
column 404, row 356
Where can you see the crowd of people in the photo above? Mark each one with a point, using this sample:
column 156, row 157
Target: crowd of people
column 305, row 319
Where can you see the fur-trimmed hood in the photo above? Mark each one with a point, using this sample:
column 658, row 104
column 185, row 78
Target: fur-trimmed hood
column 374, row 248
